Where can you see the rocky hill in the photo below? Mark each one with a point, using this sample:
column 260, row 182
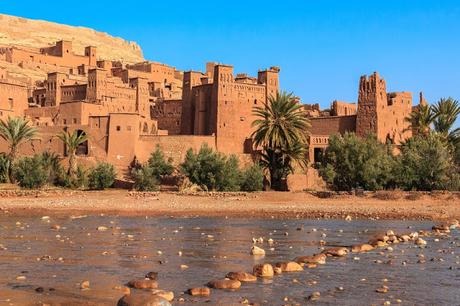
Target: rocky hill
column 37, row 33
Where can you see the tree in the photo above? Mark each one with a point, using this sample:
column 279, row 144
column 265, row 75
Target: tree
column 72, row 141
column 15, row 131
column 212, row 170
column 159, row 165
column 424, row 163
column 102, row 176
column 421, row 119
column 447, row 112
column 353, row 162
column 281, row 131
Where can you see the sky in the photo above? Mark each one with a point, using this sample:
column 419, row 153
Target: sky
column 322, row 47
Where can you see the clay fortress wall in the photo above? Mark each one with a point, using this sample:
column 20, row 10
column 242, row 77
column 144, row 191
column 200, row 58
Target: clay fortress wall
column 129, row 109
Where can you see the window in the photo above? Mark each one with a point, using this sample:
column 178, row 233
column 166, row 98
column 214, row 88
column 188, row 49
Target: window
column 64, row 121
column 11, row 103
column 74, row 120
column 118, row 128
column 128, row 128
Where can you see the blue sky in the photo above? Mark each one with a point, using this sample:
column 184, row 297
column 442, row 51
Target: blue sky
column 322, row 47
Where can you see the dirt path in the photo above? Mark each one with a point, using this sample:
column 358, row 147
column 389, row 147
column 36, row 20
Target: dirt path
column 436, row 206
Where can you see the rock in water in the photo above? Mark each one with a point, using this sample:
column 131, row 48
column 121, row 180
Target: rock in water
column 263, row 270
column 290, row 266
column 143, row 284
column 241, row 276
column 204, row 291
column 167, row 295
column 225, row 284
column 336, row 252
column 142, row 299
column 152, row 275
column 318, row 259
column 361, row 248
column 255, row 250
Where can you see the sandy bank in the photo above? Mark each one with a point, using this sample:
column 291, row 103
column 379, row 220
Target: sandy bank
column 384, row 205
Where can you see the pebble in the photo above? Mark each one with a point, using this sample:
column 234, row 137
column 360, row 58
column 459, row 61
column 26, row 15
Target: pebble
column 383, row 289
column 314, row 296
column 255, row 250
column 84, row 285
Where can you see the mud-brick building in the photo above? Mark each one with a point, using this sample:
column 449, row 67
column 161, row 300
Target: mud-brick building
column 13, row 96
column 219, row 103
column 377, row 112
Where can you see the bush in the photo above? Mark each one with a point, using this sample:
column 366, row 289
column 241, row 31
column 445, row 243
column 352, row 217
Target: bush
column 158, row 164
column 352, row 162
column 212, row 170
column 4, row 163
column 30, row 172
column 425, row 164
column 101, row 177
column 252, row 179
column 55, row 173
column 145, row 179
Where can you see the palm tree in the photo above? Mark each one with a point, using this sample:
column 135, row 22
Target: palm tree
column 15, row 131
column 447, row 111
column 72, row 141
column 421, row 119
column 281, row 130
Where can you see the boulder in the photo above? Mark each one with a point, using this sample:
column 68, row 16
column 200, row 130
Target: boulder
column 167, row 295
column 336, row 252
column 318, row 259
column 224, row 284
column 361, row 248
column 263, row 270
column 241, row 276
column 143, row 284
column 290, row 266
column 203, row 291
column 142, row 299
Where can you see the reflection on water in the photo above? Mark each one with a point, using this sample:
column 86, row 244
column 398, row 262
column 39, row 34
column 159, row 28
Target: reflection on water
column 59, row 259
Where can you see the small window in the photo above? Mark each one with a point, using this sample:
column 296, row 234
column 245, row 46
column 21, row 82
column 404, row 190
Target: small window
column 255, row 101
column 128, row 128
column 74, row 120
column 118, row 128
column 64, row 121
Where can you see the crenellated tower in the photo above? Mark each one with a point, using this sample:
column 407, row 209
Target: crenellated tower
column 371, row 99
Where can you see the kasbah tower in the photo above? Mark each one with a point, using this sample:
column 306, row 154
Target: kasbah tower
column 128, row 109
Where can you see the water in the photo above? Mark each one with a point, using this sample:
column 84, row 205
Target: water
column 128, row 250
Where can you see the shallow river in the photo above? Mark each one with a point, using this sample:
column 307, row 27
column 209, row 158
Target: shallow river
column 58, row 260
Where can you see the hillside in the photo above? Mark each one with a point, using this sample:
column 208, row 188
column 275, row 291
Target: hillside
column 37, row 33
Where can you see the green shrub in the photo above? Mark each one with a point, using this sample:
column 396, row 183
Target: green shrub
column 101, row 177
column 4, row 164
column 352, row 162
column 30, row 172
column 159, row 165
column 55, row 173
column 425, row 163
column 212, row 170
column 145, row 179
column 252, row 178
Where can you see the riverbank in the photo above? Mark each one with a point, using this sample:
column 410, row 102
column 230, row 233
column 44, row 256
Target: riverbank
column 380, row 205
